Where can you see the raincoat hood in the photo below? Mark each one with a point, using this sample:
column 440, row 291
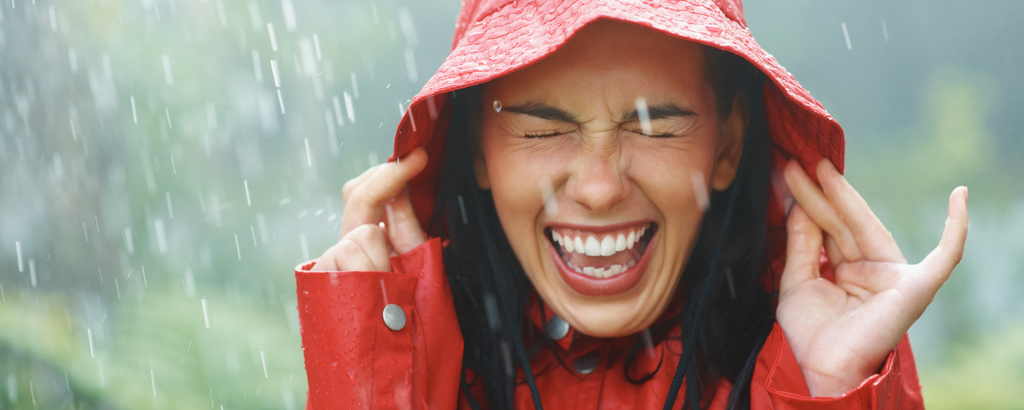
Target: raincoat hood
column 496, row 37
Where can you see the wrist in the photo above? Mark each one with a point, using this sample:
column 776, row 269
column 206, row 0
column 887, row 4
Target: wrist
column 837, row 382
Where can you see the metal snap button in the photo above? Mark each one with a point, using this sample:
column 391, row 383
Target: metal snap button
column 586, row 364
column 557, row 328
column 394, row 317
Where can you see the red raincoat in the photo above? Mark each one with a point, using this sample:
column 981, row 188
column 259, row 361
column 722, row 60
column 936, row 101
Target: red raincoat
column 354, row 360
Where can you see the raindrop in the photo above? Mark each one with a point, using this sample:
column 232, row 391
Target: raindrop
column 117, row 287
column 238, row 248
column 220, row 13
column 167, row 70
column 316, row 45
column 261, row 223
column 355, row 86
column 728, row 279
column 135, row 116
column 507, row 355
column 309, row 156
column 885, row 31
column 497, row 106
column 491, row 309
column 206, row 315
column 248, row 201
column 337, row 111
column 73, row 58
column 17, row 249
column 410, row 65
column 264, row 360
column 256, row 65
column 700, row 190
column 349, row 108
column 288, row 11
column 53, row 22
column 152, row 379
column 280, row 100
column 304, row 246
column 273, row 38
column 211, row 116
column 462, row 208
column 643, row 116
column 548, row 193
column 170, row 207
column 168, row 113
column 846, row 35
column 32, row 272
column 254, row 16
column 128, row 243
column 92, row 352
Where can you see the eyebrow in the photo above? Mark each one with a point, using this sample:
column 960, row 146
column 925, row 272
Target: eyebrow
column 659, row 112
column 543, row 111
column 552, row 113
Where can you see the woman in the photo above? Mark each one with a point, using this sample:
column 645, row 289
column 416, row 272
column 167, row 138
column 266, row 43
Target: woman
column 628, row 205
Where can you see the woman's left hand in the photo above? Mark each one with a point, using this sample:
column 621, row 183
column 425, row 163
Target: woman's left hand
column 842, row 332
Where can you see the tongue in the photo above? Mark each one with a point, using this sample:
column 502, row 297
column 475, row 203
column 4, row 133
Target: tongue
column 619, row 258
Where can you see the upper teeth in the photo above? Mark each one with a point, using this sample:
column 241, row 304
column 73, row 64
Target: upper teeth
column 606, row 246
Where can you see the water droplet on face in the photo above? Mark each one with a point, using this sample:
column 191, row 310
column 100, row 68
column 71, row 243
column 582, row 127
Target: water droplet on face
column 497, row 106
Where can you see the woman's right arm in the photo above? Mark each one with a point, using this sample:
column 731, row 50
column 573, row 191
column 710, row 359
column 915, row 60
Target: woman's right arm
column 374, row 305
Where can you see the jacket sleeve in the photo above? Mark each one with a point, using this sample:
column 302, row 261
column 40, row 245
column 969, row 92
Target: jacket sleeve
column 778, row 382
column 354, row 360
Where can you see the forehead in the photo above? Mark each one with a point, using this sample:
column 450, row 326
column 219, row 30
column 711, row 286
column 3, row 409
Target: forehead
column 614, row 59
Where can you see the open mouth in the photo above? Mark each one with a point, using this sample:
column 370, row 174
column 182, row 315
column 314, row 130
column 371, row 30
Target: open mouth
column 602, row 255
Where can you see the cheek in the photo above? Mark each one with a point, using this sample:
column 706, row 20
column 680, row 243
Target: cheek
column 517, row 192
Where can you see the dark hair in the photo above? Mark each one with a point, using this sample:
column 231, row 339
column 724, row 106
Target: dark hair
column 491, row 291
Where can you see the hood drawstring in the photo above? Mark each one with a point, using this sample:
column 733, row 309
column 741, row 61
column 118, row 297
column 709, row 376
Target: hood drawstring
column 686, row 359
column 503, row 299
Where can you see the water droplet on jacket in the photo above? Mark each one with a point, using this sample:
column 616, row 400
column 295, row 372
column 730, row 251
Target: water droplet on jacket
column 334, row 366
column 497, row 106
column 352, row 376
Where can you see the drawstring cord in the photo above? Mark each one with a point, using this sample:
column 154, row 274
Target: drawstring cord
column 685, row 365
column 503, row 298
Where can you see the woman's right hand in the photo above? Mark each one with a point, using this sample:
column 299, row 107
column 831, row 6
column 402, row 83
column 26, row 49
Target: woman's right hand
column 379, row 221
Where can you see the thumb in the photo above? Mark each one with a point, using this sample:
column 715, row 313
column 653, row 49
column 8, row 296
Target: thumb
column 803, row 250
column 947, row 255
column 404, row 231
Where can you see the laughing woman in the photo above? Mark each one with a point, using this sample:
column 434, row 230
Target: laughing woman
column 605, row 204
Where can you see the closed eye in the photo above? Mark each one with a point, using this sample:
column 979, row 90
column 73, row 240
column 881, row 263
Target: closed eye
column 656, row 135
column 544, row 135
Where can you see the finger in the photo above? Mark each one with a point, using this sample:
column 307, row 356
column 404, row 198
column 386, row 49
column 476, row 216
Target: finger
column 803, row 250
column 875, row 242
column 365, row 202
column 820, row 209
column 351, row 185
column 404, row 229
column 371, row 240
column 950, row 251
column 344, row 256
column 835, row 256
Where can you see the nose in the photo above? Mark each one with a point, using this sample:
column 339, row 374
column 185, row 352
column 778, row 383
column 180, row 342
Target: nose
column 598, row 181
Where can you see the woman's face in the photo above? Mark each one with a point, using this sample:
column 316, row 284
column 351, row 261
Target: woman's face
column 602, row 198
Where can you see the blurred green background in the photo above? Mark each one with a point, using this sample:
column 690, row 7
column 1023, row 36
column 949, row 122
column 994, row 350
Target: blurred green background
column 164, row 164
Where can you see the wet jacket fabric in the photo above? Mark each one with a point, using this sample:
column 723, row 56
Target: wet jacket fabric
column 355, row 360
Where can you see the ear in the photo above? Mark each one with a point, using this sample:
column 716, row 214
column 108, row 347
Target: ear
column 480, row 169
column 730, row 144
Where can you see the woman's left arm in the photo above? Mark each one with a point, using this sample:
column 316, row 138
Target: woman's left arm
column 842, row 333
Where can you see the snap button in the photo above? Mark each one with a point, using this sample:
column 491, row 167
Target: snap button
column 557, row 328
column 394, row 317
column 586, row 364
